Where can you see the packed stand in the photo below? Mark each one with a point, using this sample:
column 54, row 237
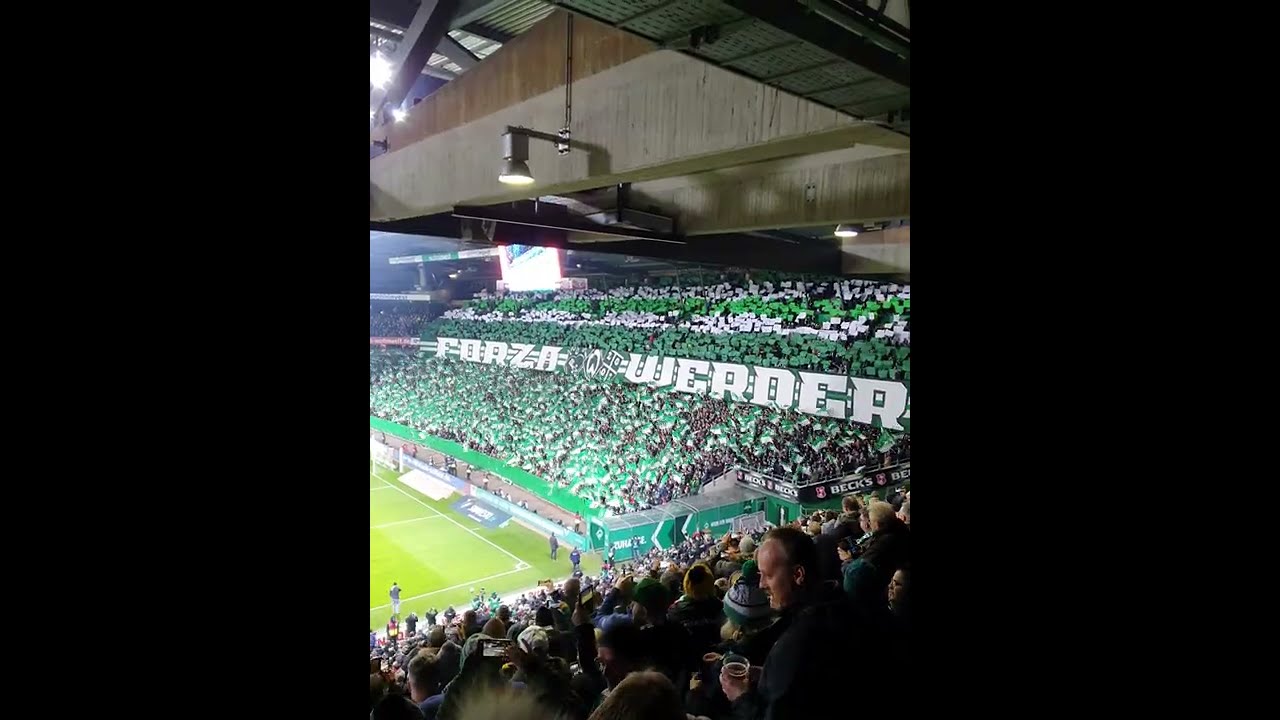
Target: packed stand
column 860, row 327
column 750, row 627
column 624, row 447
column 397, row 320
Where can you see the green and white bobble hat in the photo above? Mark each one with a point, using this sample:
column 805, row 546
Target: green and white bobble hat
column 746, row 602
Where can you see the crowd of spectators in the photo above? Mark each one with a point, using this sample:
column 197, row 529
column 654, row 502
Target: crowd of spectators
column 861, row 327
column 624, row 447
column 397, row 320
column 757, row 626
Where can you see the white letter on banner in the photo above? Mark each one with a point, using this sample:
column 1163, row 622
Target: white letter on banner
column 729, row 378
column 471, row 350
column 640, row 367
column 664, row 375
column 764, row 392
column 878, row 397
column 823, row 394
column 691, row 376
column 643, row 369
column 548, row 358
column 495, row 353
column 444, row 345
column 522, row 359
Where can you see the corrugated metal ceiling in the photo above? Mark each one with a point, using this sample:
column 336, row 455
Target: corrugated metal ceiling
column 515, row 17
column 757, row 49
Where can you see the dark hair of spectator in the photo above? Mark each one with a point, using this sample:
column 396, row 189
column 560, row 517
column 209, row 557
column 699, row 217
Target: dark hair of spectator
column 643, row 695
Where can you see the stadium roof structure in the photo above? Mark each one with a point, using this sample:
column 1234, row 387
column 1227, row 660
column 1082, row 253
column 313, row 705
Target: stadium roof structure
column 704, row 131
column 684, row 507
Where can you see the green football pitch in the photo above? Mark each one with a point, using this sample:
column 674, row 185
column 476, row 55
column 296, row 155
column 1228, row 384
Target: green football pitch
column 438, row 555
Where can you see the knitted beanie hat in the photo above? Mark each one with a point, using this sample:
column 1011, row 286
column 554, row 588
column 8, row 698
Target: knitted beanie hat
column 746, row 603
column 699, row 582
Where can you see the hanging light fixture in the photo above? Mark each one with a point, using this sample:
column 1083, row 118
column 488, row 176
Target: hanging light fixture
column 515, row 140
column 845, row 231
column 515, row 159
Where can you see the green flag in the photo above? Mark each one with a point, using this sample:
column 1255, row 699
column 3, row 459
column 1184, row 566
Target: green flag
column 885, row 441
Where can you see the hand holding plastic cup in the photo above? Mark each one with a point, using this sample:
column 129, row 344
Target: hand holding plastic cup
column 736, row 666
column 733, row 676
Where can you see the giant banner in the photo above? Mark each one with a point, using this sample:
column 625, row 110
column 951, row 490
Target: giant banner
column 863, row 400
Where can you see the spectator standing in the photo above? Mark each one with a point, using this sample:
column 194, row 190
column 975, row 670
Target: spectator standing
column 393, row 631
column 395, row 599
column 900, row 604
column 449, row 655
column 809, row 660
column 698, row 609
column 424, row 683
column 889, row 548
column 555, row 545
column 667, row 645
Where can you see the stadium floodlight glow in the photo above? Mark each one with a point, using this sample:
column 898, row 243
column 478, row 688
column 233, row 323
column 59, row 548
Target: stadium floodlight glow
column 515, row 172
column 515, row 153
column 453, row 275
column 843, row 230
column 399, row 114
column 379, row 71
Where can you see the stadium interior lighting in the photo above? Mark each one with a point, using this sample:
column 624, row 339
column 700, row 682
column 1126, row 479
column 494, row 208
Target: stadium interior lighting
column 379, row 70
column 399, row 114
column 843, row 230
column 515, row 172
column 515, row 153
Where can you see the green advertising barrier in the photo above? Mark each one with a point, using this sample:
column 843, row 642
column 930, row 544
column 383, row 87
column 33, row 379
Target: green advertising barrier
column 518, row 476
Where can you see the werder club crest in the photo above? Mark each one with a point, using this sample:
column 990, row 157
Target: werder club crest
column 595, row 363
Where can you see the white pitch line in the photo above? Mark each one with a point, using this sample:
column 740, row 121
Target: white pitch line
column 472, row 583
column 402, row 522
column 455, row 522
column 381, row 488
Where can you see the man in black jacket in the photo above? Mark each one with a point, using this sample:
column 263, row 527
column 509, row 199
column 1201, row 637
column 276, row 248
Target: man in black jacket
column 668, row 645
column 846, row 526
column 619, row 653
column 698, row 609
column 807, row 671
column 888, row 549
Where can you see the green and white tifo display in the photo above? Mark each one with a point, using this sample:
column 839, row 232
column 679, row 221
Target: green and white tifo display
column 438, row 556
